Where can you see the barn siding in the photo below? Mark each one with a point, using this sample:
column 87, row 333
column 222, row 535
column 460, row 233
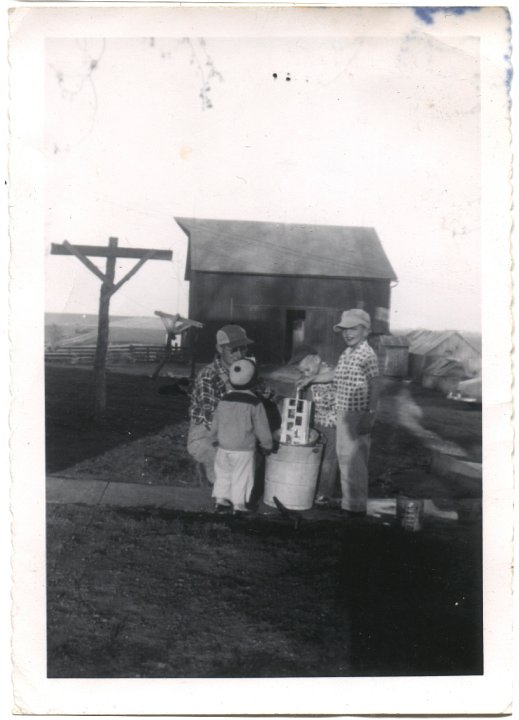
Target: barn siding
column 260, row 303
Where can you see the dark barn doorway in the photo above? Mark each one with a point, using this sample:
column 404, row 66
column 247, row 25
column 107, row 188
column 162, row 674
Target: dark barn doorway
column 295, row 331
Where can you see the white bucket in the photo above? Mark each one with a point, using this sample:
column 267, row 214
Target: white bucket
column 291, row 475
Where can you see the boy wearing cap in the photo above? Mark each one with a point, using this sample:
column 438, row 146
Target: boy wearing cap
column 239, row 423
column 357, row 392
column 211, row 384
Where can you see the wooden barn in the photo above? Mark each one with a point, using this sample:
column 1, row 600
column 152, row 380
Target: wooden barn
column 286, row 284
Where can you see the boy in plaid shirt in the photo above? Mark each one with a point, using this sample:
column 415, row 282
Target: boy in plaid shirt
column 357, row 392
column 211, row 384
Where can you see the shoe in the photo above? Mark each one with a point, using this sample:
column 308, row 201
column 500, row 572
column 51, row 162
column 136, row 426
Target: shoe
column 241, row 510
column 222, row 506
column 324, row 502
column 353, row 514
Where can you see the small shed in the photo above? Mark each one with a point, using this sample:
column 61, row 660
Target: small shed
column 286, row 284
column 427, row 346
column 393, row 354
column 444, row 374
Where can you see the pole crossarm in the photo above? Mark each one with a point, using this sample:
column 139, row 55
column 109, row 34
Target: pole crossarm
column 78, row 250
column 99, row 251
column 112, row 253
column 149, row 256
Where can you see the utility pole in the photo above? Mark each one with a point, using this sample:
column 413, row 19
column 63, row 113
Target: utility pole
column 108, row 288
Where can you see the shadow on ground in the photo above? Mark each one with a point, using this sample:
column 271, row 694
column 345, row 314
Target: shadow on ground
column 149, row 593
column 135, row 409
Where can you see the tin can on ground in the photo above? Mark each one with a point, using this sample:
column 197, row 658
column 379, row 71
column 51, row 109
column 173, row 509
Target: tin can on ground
column 409, row 513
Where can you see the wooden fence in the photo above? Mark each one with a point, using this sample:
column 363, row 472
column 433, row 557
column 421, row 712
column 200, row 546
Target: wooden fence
column 118, row 355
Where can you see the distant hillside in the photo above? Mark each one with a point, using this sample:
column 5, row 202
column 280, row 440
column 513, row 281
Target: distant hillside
column 85, row 319
column 68, row 329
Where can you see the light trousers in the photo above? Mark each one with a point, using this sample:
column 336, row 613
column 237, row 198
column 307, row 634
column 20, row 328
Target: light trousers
column 328, row 483
column 353, row 454
column 234, row 471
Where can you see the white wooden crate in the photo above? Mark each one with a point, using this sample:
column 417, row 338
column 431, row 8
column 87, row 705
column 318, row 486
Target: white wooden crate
column 295, row 421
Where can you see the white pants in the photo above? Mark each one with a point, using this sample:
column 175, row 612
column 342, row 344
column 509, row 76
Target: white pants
column 234, row 470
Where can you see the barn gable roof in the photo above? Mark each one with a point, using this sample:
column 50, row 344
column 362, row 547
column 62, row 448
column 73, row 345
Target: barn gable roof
column 474, row 339
column 424, row 341
column 266, row 248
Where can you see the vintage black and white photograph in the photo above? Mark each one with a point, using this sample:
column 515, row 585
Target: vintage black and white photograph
column 269, row 311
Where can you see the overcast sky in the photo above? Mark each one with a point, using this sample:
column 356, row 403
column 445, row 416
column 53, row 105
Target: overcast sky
column 373, row 131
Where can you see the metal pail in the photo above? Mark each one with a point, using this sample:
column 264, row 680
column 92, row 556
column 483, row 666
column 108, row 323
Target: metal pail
column 291, row 474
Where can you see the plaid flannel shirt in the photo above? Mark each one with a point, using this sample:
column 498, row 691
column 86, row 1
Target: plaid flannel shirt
column 211, row 384
column 354, row 371
column 324, row 398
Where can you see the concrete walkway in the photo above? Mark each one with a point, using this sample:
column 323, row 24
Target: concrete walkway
column 63, row 490
column 67, row 490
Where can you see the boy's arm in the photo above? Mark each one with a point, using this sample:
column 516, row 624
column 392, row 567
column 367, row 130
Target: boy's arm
column 375, row 389
column 323, row 376
column 204, row 397
column 367, row 419
column 374, row 379
column 213, row 430
column 263, row 390
column 261, row 427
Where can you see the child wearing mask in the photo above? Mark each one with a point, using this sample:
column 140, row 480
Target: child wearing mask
column 239, row 424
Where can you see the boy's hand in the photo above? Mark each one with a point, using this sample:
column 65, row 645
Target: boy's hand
column 303, row 382
column 366, row 422
column 265, row 451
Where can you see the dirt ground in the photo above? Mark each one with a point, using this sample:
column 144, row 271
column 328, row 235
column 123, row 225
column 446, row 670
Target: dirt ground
column 143, row 436
column 168, row 594
column 149, row 593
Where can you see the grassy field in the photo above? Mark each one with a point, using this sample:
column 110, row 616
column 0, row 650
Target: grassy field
column 136, row 409
column 169, row 594
column 143, row 436
column 149, row 593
